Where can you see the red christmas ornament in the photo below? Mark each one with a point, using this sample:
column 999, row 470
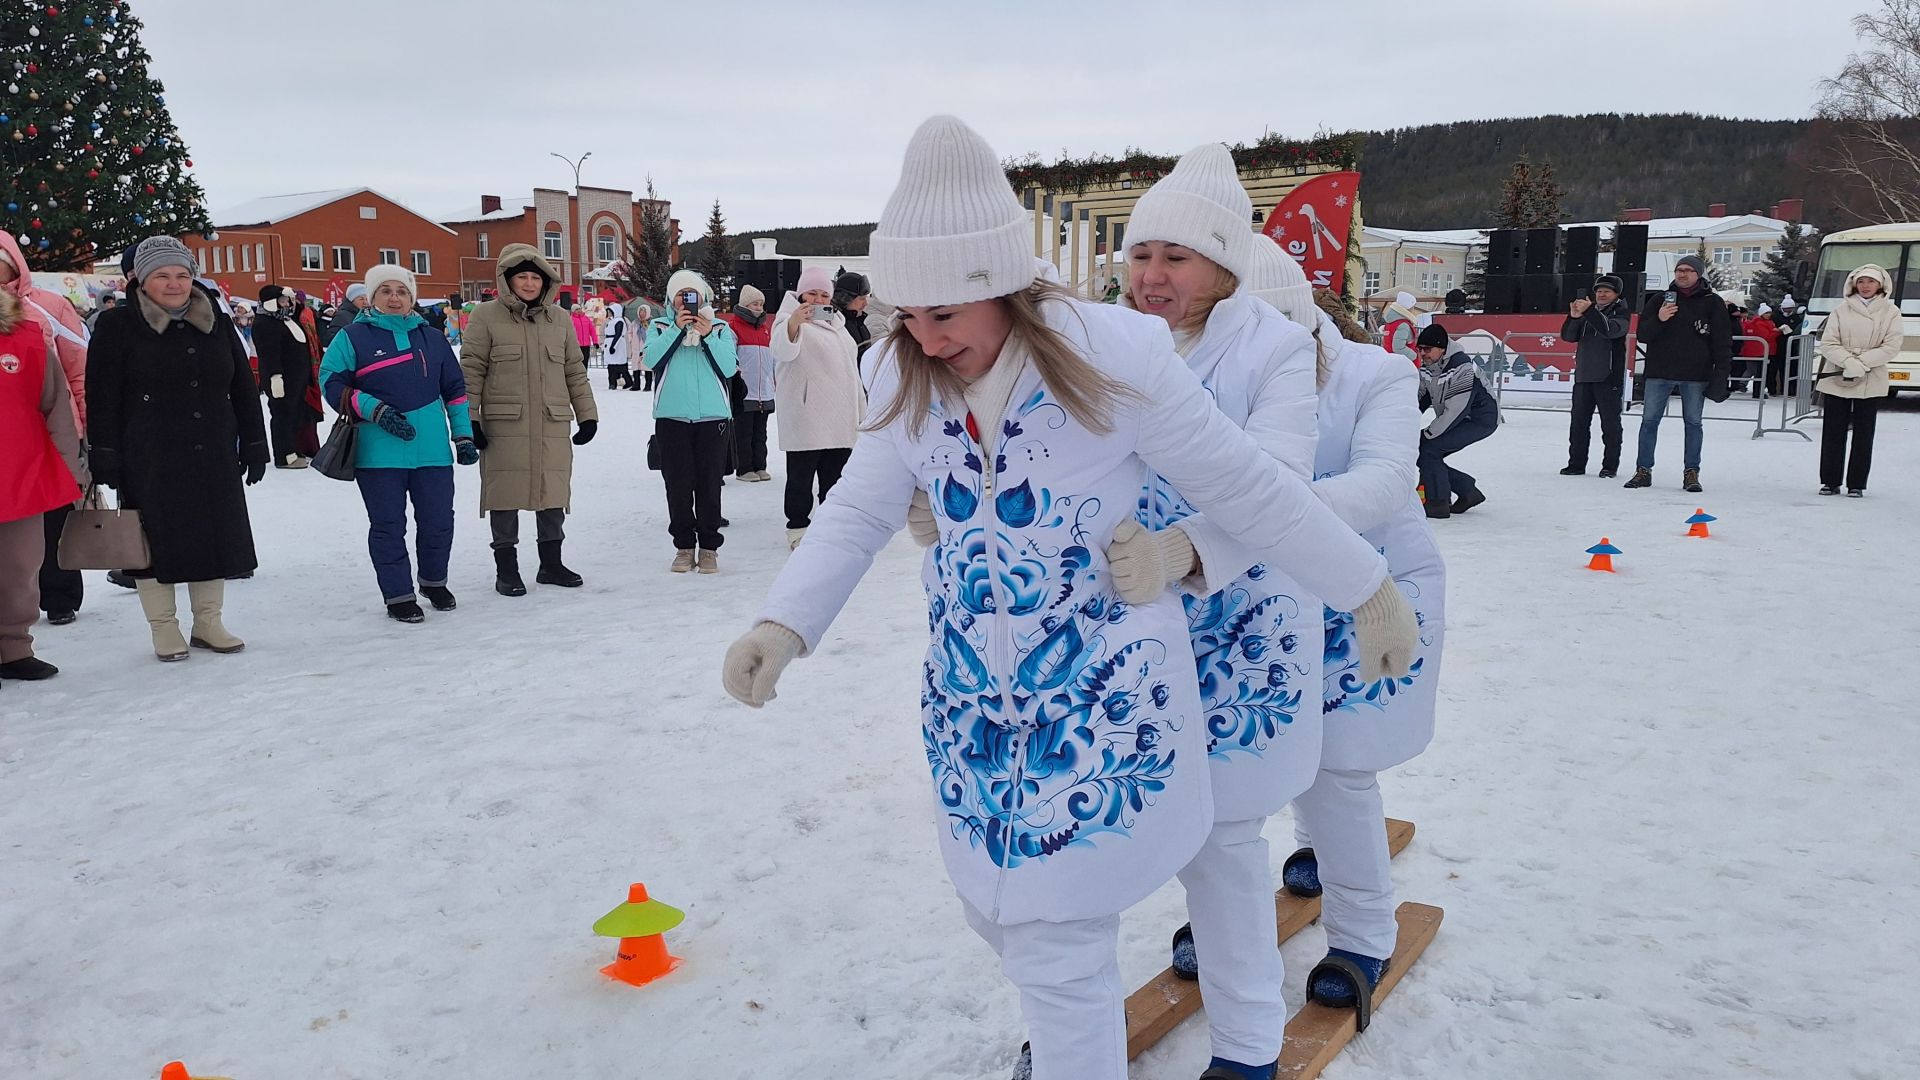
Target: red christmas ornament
column 189, row 163
column 149, row 189
column 53, row 12
column 33, row 69
column 33, row 131
column 35, row 223
column 137, row 151
column 93, row 174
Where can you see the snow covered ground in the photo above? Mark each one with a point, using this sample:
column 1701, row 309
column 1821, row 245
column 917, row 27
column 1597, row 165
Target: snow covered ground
column 1668, row 812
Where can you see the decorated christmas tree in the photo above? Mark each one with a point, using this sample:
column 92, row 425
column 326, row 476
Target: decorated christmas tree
column 89, row 158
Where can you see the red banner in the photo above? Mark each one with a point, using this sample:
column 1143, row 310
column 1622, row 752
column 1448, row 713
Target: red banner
column 336, row 291
column 1312, row 222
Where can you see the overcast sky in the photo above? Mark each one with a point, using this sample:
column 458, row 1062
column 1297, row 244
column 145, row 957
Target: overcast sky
column 796, row 114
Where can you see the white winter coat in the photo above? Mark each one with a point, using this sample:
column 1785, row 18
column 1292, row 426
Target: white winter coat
column 1063, row 727
column 1366, row 472
column 818, row 396
column 1255, row 630
column 616, row 351
column 1868, row 331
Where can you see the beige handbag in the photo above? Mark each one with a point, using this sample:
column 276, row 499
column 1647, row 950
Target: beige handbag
column 99, row 538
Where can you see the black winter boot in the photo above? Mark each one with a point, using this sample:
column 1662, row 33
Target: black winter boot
column 440, row 597
column 506, row 572
column 551, row 570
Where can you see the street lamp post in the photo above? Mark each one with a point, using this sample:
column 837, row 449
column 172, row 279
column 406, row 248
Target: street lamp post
column 574, row 217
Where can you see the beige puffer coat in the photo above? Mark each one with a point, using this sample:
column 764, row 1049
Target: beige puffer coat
column 527, row 385
column 1862, row 334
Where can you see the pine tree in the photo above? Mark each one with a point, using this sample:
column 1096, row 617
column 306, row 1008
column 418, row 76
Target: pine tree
column 1516, row 192
column 716, row 260
column 645, row 270
column 90, row 160
column 1789, row 267
column 1719, row 276
column 1475, row 285
column 1544, row 198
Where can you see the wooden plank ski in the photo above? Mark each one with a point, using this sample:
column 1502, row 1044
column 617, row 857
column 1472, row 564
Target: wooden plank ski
column 1157, row 1008
column 1317, row 1033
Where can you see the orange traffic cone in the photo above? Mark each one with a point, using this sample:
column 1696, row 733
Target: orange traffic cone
column 1603, row 553
column 1697, row 524
column 640, row 924
column 174, row 1070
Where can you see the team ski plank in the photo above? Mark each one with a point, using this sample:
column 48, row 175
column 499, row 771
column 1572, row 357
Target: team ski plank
column 1317, row 1033
column 1157, row 1008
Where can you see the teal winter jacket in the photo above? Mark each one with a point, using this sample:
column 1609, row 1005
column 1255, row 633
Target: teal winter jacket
column 397, row 360
column 689, row 391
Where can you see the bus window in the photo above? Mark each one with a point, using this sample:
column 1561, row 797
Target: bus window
column 1910, row 289
column 1839, row 260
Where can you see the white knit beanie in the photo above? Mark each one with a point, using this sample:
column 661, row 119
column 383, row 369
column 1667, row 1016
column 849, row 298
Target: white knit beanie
column 681, row 280
column 1276, row 277
column 749, row 294
column 385, row 272
column 1199, row 205
column 952, row 232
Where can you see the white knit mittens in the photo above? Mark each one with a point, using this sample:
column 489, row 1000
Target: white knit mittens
column 920, row 520
column 1386, row 633
column 754, row 663
column 1144, row 563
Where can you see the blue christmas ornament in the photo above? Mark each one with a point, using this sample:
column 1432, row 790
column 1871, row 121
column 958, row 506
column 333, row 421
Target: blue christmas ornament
column 44, row 244
column 13, row 208
column 138, row 220
column 5, row 119
column 88, row 21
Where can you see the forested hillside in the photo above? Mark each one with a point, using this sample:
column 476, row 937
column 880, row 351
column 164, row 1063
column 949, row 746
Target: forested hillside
column 1447, row 176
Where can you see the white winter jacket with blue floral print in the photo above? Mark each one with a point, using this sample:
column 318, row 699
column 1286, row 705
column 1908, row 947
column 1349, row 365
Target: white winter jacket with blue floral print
column 1063, row 727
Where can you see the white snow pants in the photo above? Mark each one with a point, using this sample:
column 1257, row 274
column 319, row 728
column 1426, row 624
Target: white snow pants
column 1342, row 819
column 1071, row 997
column 1230, row 903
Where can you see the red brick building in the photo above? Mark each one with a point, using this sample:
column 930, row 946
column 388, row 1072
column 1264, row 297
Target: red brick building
column 323, row 241
column 578, row 233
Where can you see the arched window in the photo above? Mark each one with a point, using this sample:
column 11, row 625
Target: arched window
column 606, row 245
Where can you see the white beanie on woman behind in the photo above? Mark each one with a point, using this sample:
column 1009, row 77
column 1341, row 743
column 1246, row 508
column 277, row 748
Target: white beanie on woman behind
column 1200, row 205
column 385, row 272
column 952, row 231
column 1276, row 277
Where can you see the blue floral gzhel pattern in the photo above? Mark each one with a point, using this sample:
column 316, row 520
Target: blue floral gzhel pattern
column 1066, row 743
column 1246, row 647
column 1343, row 686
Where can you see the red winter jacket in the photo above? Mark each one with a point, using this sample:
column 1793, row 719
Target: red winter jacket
column 33, row 476
column 1759, row 326
column 67, row 341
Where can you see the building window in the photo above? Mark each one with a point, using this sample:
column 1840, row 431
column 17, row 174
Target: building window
column 604, row 247
column 1750, row 255
column 1723, row 256
column 422, row 263
column 343, row 258
column 483, row 245
column 1449, row 282
column 310, row 257
column 246, row 257
column 1372, row 282
column 389, row 256
column 550, row 244
column 259, row 256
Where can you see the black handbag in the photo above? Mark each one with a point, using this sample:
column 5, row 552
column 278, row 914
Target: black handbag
column 659, row 382
column 335, row 459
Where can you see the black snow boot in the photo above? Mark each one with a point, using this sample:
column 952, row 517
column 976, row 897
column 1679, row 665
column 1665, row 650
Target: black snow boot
column 552, row 572
column 506, row 572
column 439, row 596
column 406, row 611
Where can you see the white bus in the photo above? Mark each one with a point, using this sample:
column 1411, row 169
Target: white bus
column 1895, row 247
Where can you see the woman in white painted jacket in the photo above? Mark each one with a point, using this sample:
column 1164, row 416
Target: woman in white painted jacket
column 1063, row 726
column 1255, row 630
column 1365, row 470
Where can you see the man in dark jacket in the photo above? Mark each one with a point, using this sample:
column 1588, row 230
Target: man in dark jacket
column 1464, row 413
column 1689, row 344
column 850, row 295
column 356, row 302
column 1599, row 326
